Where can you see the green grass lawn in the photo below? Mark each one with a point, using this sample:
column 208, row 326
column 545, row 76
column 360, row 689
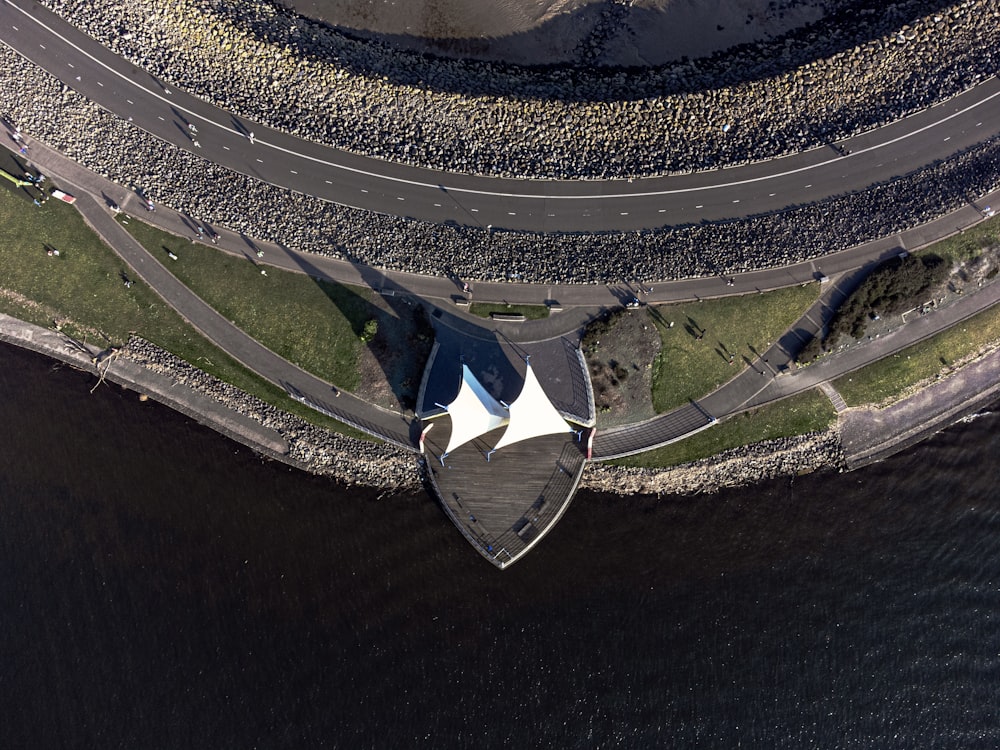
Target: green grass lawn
column 688, row 367
column 969, row 244
column 82, row 287
column 315, row 324
column 531, row 312
column 888, row 378
column 83, row 283
column 797, row 415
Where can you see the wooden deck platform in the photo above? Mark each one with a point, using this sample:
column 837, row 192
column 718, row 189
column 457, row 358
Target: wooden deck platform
column 504, row 506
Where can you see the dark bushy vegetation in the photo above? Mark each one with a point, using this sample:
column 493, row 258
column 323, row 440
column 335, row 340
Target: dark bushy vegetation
column 598, row 327
column 894, row 286
column 811, row 350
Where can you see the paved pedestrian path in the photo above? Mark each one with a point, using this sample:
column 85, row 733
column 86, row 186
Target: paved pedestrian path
column 761, row 383
column 834, row 395
column 445, row 291
column 766, row 380
column 835, row 365
column 391, row 426
column 870, row 434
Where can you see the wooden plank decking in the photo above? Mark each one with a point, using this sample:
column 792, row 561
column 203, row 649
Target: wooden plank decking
column 505, row 505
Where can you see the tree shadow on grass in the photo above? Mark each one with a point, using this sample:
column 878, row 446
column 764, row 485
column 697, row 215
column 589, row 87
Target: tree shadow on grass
column 17, row 167
column 397, row 331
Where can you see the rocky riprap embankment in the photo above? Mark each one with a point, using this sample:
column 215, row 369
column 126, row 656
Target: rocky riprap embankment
column 864, row 65
column 311, row 448
column 384, row 466
column 733, row 468
column 52, row 112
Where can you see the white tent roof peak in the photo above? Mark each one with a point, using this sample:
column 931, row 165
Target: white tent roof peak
column 473, row 411
column 532, row 414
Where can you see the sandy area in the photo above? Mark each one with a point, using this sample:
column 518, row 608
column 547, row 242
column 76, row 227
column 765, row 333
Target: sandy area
column 591, row 32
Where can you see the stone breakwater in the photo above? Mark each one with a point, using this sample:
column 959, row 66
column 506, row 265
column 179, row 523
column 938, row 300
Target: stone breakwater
column 353, row 461
column 310, row 448
column 52, row 112
column 733, row 468
column 866, row 64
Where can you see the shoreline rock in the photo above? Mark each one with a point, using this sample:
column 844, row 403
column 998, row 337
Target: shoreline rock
column 203, row 190
column 386, row 467
column 738, row 467
column 860, row 68
column 187, row 184
column 310, row 448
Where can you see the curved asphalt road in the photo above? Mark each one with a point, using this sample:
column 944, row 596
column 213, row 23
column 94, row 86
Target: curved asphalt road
column 745, row 390
column 132, row 93
column 534, row 205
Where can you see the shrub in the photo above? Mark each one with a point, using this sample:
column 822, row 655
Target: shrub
column 811, row 350
column 369, row 332
column 598, row 327
column 893, row 286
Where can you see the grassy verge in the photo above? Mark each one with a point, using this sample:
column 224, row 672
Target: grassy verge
column 888, row 378
column 83, row 289
column 315, row 324
column 969, row 245
column 797, row 415
column 531, row 312
column 695, row 356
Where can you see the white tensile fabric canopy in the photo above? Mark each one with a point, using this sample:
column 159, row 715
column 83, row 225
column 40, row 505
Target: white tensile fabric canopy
column 473, row 412
column 532, row 414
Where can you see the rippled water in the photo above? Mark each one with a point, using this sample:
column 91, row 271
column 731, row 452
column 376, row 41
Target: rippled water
column 163, row 587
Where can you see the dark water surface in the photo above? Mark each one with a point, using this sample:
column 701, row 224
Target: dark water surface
column 161, row 587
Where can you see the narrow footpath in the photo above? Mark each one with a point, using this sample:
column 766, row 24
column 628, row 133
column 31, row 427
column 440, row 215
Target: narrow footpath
column 764, row 381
